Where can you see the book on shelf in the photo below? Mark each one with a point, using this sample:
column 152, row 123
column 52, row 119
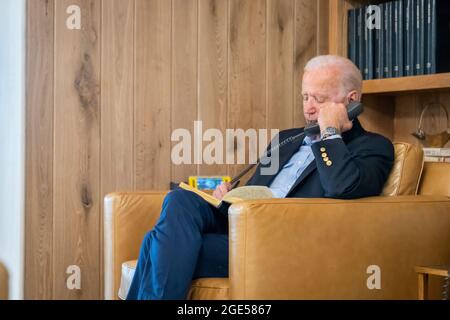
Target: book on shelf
column 398, row 39
column 233, row 196
column 369, row 51
column 360, row 26
column 352, row 35
column 387, row 33
column 430, row 29
column 379, row 47
column 419, row 56
column 436, row 159
column 436, row 152
column 408, row 11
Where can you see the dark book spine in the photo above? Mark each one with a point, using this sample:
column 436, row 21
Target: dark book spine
column 394, row 32
column 371, row 34
column 379, row 36
column 360, row 39
column 433, row 46
column 409, row 32
column 398, row 39
column 368, row 46
column 428, row 37
column 352, row 53
column 419, row 37
column 388, row 40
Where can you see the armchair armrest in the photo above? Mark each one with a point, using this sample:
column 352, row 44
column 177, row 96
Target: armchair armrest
column 321, row 248
column 127, row 218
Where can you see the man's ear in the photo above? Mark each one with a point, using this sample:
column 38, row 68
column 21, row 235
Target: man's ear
column 353, row 96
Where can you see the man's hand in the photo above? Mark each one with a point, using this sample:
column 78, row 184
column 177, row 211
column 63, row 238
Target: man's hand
column 334, row 115
column 221, row 190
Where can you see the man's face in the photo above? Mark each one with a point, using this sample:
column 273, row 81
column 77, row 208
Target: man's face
column 319, row 86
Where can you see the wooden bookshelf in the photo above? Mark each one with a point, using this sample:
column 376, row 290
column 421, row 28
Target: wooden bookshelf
column 439, row 81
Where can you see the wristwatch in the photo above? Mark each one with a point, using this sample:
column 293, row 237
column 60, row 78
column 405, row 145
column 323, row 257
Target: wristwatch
column 330, row 131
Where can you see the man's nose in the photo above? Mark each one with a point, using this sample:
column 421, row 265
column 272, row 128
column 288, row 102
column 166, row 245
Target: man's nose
column 310, row 106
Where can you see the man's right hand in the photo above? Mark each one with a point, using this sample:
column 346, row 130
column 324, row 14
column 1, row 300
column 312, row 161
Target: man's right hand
column 221, row 190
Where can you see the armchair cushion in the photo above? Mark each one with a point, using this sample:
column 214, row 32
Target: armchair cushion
column 406, row 171
column 436, row 179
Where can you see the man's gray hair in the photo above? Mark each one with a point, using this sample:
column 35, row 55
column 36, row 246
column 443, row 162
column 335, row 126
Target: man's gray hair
column 351, row 76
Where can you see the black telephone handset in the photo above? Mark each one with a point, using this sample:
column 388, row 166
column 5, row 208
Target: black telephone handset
column 354, row 109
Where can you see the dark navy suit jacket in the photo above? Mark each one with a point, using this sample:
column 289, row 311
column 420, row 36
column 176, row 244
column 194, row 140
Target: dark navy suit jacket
column 358, row 165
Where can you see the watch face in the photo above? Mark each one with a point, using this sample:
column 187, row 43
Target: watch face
column 331, row 130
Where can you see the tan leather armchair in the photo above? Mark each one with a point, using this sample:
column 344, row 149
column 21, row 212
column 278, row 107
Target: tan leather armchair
column 3, row 282
column 307, row 248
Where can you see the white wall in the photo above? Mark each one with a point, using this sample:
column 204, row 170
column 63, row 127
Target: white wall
column 12, row 141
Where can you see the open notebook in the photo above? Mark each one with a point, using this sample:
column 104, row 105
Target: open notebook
column 233, row 196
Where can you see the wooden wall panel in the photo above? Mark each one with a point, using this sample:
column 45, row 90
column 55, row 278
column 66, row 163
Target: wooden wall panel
column 184, row 77
column 117, row 103
column 39, row 151
column 77, row 150
column 305, row 49
column 280, row 66
column 247, row 70
column 323, row 7
column 152, row 92
column 212, row 72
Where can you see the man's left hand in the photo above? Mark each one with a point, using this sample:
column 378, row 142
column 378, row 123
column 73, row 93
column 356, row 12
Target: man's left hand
column 334, row 115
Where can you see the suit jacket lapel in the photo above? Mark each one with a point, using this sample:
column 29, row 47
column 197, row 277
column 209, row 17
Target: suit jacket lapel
column 285, row 153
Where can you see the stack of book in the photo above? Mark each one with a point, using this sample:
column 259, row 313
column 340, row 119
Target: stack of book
column 436, row 154
column 400, row 38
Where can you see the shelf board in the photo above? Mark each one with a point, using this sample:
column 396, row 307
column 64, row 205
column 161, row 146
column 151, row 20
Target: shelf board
column 405, row 84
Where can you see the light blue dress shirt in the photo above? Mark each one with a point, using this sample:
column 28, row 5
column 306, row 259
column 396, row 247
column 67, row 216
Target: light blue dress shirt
column 292, row 170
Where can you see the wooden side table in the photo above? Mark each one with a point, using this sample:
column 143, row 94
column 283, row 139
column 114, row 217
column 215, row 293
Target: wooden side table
column 423, row 273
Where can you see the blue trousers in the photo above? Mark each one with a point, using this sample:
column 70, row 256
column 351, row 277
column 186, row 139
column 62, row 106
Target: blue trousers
column 189, row 241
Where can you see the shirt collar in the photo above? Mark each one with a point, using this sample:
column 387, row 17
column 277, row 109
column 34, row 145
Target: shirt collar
column 308, row 141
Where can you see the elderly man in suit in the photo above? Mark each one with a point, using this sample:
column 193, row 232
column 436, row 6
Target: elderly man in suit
column 344, row 161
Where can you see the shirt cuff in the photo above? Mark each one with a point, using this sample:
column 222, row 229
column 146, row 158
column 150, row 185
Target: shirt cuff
column 334, row 136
